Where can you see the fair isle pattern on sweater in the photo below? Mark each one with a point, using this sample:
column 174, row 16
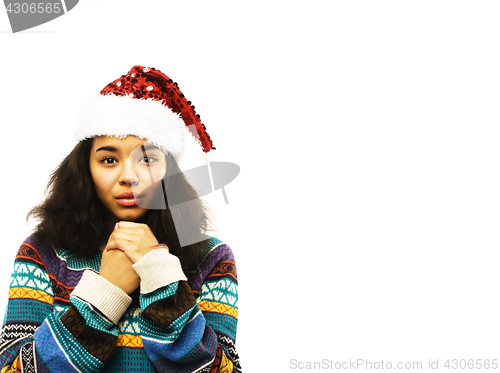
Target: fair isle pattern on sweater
column 186, row 326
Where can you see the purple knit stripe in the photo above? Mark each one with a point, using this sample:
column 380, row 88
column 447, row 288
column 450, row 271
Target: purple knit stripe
column 220, row 253
column 55, row 265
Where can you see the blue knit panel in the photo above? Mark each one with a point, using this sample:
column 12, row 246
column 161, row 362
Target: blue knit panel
column 40, row 365
column 79, row 357
column 53, row 357
column 187, row 338
column 182, row 356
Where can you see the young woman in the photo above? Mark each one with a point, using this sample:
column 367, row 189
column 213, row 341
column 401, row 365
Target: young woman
column 106, row 282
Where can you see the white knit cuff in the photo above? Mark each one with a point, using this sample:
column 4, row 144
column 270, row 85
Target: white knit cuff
column 103, row 295
column 157, row 269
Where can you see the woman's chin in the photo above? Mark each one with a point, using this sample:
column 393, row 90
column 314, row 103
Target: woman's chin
column 130, row 214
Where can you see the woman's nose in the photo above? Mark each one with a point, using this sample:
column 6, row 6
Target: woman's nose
column 128, row 176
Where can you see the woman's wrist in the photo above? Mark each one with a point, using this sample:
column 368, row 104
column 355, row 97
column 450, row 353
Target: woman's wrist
column 159, row 246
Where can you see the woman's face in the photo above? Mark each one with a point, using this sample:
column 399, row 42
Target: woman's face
column 127, row 173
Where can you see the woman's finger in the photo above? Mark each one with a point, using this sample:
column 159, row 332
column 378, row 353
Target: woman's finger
column 134, row 239
column 130, row 224
column 120, row 244
column 125, row 235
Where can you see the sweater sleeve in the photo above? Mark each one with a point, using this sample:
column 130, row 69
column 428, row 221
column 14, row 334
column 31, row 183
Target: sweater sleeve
column 38, row 335
column 182, row 332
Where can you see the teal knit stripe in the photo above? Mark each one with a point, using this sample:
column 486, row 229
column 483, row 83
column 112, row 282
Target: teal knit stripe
column 128, row 359
column 165, row 292
column 30, row 276
column 75, row 263
column 129, row 323
column 93, row 318
column 222, row 291
column 16, row 311
column 212, row 242
column 222, row 323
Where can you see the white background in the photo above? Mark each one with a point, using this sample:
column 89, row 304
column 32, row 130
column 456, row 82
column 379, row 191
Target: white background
column 365, row 217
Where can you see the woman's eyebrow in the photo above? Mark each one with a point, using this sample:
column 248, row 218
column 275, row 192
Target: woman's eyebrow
column 149, row 147
column 108, row 148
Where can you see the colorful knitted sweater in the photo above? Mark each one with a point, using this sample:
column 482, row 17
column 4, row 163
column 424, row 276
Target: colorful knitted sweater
column 63, row 317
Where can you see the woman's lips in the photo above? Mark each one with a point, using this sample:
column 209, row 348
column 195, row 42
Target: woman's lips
column 128, row 199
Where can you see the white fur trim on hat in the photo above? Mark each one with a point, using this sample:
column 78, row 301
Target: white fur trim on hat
column 121, row 116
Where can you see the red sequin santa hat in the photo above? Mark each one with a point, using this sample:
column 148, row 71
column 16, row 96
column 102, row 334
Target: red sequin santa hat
column 145, row 103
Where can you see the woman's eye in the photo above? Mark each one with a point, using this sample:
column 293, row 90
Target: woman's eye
column 108, row 160
column 148, row 159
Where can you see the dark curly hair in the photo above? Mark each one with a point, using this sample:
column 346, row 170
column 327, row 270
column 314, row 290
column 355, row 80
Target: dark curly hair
column 73, row 217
